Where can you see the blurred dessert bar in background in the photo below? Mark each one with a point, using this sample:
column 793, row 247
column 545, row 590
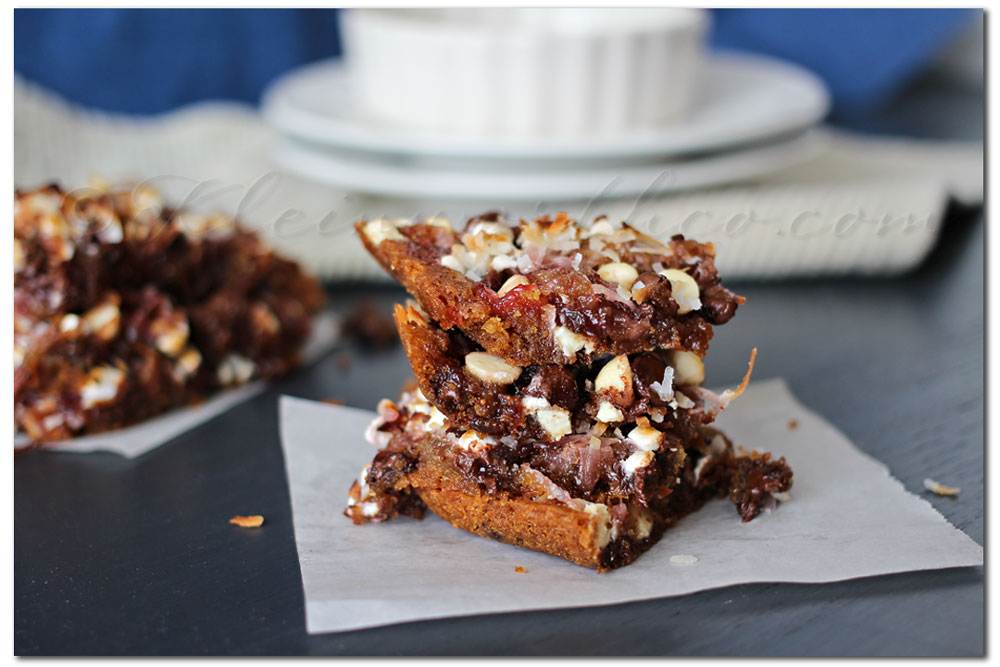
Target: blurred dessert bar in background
column 125, row 307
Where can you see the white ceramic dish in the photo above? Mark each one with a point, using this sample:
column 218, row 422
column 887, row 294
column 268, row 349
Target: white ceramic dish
column 399, row 179
column 526, row 72
column 743, row 99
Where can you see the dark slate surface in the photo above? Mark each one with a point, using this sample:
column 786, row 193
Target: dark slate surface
column 120, row 557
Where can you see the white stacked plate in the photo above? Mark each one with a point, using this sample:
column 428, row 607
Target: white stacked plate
column 737, row 116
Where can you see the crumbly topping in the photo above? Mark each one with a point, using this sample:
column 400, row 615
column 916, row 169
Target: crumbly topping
column 614, row 255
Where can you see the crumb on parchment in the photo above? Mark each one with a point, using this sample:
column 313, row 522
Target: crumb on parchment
column 683, row 559
column 793, row 424
column 252, row 521
column 519, row 569
column 940, row 489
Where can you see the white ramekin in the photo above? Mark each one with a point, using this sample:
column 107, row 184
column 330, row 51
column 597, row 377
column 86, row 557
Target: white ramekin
column 525, row 72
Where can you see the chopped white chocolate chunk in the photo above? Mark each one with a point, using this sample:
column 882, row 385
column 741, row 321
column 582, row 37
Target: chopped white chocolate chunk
column 645, row 438
column 103, row 320
column 606, row 528
column 473, row 441
column 69, row 322
column 490, row 368
column 188, row 362
column 171, row 334
column 555, row 421
column 102, row 385
column 643, row 524
column 609, row 414
column 640, row 459
column 236, row 369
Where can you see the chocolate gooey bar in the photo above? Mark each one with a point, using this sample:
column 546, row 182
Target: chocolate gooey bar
column 558, row 401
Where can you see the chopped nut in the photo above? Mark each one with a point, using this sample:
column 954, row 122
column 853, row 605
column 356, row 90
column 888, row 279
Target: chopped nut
column 683, row 289
column 253, row 521
column 615, row 376
column 940, row 489
column 514, row 281
column 688, row 368
column 489, row 368
column 619, row 272
column 571, row 342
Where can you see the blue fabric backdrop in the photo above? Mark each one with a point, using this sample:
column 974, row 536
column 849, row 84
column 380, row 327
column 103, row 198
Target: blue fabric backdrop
column 151, row 60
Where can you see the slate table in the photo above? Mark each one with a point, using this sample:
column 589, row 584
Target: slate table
column 136, row 557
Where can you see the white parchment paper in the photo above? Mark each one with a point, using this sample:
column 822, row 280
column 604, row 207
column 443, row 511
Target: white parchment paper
column 134, row 441
column 847, row 518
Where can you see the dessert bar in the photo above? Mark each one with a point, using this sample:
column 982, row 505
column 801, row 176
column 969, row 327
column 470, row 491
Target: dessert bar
column 125, row 307
column 558, row 401
column 550, row 291
column 598, row 498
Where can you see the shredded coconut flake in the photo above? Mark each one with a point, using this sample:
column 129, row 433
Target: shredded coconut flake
column 665, row 387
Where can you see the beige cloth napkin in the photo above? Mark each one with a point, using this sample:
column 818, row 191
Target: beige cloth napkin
column 864, row 206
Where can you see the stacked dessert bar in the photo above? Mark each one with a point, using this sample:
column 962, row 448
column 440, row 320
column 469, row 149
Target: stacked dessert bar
column 125, row 307
column 558, row 402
